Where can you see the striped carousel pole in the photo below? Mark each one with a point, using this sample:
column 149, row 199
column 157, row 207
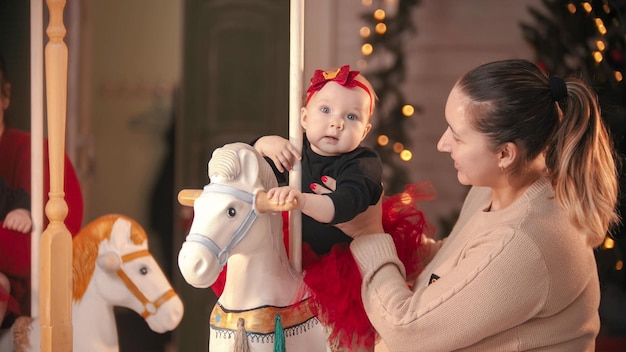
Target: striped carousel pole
column 296, row 69
column 56, row 242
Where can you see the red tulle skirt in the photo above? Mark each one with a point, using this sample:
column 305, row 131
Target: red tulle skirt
column 334, row 280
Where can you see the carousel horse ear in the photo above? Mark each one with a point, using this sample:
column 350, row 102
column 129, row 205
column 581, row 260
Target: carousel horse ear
column 120, row 233
column 110, row 261
column 249, row 167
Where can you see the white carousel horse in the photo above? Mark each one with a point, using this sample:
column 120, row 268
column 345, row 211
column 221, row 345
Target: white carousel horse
column 263, row 294
column 111, row 267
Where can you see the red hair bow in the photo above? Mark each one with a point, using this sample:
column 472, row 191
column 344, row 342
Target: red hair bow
column 342, row 76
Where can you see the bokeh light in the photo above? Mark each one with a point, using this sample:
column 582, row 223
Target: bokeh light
column 597, row 56
column 609, row 243
column 367, row 49
column 406, row 155
column 408, row 110
column 382, row 140
column 381, row 28
column 365, row 32
column 379, row 15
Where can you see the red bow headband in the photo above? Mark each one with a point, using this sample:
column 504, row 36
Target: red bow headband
column 343, row 76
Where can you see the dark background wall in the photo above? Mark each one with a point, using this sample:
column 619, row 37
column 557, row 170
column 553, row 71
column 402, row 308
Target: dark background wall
column 15, row 47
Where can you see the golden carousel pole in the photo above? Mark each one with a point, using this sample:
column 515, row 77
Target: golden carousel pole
column 296, row 70
column 56, row 242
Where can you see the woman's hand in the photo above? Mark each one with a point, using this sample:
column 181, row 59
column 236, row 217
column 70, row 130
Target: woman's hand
column 367, row 222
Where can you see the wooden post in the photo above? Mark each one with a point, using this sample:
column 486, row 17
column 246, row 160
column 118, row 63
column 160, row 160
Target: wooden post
column 56, row 242
column 36, row 147
column 296, row 69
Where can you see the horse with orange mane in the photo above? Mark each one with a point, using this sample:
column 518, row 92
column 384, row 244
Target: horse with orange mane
column 111, row 266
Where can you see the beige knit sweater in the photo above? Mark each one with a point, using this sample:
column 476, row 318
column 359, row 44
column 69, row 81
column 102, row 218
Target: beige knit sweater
column 521, row 278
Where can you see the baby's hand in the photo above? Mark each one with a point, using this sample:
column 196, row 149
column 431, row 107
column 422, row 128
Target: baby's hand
column 280, row 150
column 18, row 220
column 286, row 194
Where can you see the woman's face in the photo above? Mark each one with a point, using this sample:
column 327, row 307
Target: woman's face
column 475, row 162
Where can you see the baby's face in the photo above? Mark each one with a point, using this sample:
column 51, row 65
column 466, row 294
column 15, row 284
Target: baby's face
column 336, row 119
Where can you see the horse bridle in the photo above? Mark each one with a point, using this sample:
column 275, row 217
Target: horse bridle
column 222, row 254
column 150, row 307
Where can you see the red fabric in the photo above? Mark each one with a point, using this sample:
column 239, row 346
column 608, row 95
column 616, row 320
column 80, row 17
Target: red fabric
column 405, row 222
column 342, row 76
column 334, row 280
column 5, row 296
column 15, row 152
column 218, row 285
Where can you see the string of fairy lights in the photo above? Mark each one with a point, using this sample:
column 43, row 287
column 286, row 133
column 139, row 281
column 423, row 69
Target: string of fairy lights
column 601, row 42
column 380, row 18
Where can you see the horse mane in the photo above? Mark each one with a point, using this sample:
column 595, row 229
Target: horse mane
column 85, row 248
column 225, row 163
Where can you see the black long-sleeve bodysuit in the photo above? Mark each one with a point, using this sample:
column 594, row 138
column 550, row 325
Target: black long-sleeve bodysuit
column 359, row 185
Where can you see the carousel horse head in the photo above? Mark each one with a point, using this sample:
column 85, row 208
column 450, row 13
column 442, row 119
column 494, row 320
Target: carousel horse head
column 111, row 258
column 111, row 267
column 227, row 209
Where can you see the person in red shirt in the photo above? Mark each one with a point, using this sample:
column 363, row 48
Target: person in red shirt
column 15, row 215
column 15, row 168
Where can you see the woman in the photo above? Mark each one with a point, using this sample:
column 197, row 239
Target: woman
column 517, row 271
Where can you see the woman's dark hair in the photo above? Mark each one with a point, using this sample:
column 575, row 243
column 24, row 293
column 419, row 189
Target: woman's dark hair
column 512, row 101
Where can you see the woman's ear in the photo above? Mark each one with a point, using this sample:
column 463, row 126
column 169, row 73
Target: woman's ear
column 508, row 154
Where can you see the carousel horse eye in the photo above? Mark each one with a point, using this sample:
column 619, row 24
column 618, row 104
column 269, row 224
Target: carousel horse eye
column 231, row 212
column 143, row 270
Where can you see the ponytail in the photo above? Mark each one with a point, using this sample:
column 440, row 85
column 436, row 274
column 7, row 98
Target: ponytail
column 581, row 164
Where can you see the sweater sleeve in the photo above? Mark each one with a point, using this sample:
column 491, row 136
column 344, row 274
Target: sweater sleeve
column 495, row 287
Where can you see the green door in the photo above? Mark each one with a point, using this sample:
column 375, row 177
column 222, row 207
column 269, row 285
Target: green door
column 234, row 88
